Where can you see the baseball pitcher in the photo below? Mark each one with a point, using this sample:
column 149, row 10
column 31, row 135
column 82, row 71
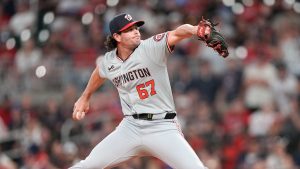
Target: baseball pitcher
column 138, row 69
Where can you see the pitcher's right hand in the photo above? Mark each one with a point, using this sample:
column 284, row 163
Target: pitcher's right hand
column 81, row 107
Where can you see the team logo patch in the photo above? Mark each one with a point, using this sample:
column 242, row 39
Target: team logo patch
column 128, row 17
column 158, row 37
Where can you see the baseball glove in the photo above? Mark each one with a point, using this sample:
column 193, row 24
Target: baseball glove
column 207, row 33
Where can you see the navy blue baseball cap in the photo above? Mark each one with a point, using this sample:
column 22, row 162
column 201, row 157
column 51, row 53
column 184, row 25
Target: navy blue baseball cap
column 121, row 22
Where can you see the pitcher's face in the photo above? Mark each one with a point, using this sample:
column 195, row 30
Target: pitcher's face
column 130, row 37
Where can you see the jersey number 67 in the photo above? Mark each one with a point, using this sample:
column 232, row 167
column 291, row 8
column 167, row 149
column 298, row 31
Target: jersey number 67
column 143, row 92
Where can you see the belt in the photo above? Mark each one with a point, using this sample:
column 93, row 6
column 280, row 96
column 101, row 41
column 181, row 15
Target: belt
column 149, row 116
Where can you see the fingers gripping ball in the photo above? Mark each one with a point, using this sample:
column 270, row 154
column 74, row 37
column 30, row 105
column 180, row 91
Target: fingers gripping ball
column 80, row 115
column 77, row 114
column 207, row 33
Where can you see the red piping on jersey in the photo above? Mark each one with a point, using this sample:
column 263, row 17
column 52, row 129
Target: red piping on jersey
column 178, row 127
column 170, row 48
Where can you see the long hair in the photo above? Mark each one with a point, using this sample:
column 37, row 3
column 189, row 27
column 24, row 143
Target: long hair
column 110, row 43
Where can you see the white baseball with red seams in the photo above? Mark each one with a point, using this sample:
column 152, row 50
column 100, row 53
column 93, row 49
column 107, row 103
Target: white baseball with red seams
column 143, row 85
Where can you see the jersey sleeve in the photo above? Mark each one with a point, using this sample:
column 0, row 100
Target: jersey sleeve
column 101, row 67
column 157, row 48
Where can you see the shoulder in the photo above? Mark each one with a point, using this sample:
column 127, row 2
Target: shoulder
column 155, row 40
column 107, row 57
column 158, row 37
column 110, row 55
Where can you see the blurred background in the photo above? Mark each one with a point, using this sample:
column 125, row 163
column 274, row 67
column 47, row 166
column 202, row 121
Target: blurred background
column 241, row 112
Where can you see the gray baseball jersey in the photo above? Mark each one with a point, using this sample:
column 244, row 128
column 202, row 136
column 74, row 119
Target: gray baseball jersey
column 143, row 84
column 142, row 80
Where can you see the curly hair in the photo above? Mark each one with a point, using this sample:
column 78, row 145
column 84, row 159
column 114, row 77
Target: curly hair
column 110, row 43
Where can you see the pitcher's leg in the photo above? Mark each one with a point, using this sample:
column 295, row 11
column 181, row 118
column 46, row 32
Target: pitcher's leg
column 119, row 146
column 171, row 147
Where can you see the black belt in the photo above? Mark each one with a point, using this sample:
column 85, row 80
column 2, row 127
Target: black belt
column 149, row 116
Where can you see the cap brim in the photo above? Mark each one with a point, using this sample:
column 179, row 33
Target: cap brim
column 138, row 23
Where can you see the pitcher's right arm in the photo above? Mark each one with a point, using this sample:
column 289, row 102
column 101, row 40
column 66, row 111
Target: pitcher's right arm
column 82, row 105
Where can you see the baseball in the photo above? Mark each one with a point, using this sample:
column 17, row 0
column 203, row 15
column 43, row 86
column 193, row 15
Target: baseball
column 80, row 115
